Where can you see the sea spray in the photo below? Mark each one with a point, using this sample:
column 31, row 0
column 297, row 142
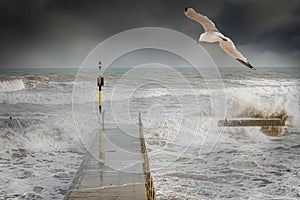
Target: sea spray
column 236, row 163
column 11, row 85
column 246, row 103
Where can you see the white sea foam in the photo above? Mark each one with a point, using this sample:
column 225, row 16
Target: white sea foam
column 265, row 82
column 160, row 92
column 43, row 98
column 11, row 85
column 265, row 102
column 46, row 134
column 191, row 157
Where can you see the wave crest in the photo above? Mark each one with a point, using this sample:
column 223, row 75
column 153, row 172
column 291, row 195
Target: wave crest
column 11, row 85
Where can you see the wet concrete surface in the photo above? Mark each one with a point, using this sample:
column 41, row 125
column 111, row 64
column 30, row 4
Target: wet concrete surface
column 113, row 169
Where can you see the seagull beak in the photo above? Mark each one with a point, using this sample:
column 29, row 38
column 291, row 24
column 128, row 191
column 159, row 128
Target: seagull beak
column 197, row 42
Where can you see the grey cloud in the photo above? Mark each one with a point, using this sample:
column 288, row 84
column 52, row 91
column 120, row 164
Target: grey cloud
column 62, row 32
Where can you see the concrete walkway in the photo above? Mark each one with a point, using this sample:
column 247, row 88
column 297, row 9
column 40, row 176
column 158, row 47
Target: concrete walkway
column 114, row 169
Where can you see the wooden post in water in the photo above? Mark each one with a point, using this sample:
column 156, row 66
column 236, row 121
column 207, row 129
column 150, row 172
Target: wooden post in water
column 148, row 182
column 269, row 126
column 252, row 122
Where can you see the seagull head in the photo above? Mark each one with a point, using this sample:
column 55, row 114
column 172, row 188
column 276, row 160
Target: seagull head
column 200, row 39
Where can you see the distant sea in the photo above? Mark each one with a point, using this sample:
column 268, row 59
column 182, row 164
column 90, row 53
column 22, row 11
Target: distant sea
column 190, row 156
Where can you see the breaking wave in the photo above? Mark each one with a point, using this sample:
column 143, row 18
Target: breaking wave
column 44, row 98
column 11, row 85
column 160, row 92
column 41, row 135
column 35, row 98
column 264, row 102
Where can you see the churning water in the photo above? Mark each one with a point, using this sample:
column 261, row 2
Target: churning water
column 191, row 158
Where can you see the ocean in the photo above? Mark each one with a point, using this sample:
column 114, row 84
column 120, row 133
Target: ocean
column 48, row 118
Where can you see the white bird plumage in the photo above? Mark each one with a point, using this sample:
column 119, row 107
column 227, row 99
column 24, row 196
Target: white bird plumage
column 212, row 34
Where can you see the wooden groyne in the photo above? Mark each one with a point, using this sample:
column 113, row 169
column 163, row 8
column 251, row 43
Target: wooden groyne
column 269, row 126
column 252, row 122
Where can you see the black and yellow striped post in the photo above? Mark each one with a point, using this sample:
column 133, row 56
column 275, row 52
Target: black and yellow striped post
column 100, row 83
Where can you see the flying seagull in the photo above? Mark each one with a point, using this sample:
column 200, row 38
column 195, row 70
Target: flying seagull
column 212, row 34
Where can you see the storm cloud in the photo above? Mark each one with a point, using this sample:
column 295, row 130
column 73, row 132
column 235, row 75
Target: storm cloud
column 60, row 33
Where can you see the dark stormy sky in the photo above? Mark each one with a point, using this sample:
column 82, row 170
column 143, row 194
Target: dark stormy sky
column 60, row 33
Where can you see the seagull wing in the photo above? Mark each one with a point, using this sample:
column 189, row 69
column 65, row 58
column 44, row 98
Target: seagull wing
column 228, row 46
column 207, row 24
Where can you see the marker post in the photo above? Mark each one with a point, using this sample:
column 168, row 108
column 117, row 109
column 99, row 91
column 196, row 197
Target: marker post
column 100, row 83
